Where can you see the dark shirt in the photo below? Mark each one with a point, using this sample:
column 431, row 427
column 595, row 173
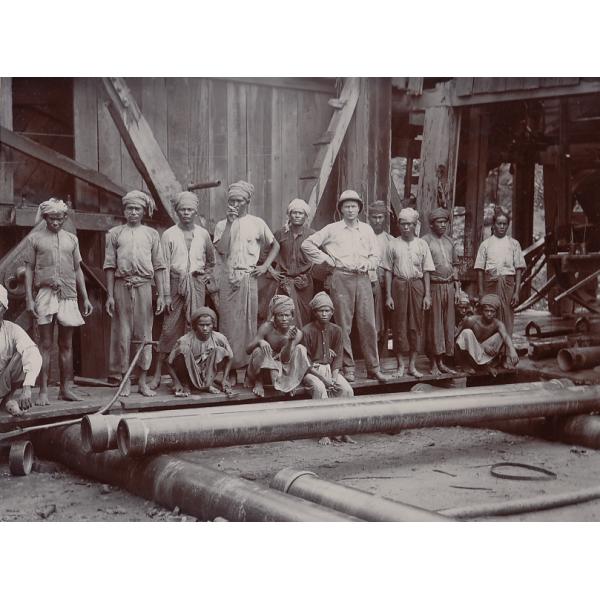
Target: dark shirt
column 291, row 259
column 319, row 341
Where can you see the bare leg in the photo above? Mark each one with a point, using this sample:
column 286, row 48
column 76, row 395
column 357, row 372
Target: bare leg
column 46, row 334
column 445, row 368
column 155, row 381
column 325, row 441
column 412, row 365
column 258, row 388
column 65, row 359
column 126, row 388
column 436, row 369
column 143, row 387
column 400, row 371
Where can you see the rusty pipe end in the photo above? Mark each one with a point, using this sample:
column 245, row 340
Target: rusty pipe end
column 96, row 433
column 565, row 360
column 132, row 437
column 284, row 480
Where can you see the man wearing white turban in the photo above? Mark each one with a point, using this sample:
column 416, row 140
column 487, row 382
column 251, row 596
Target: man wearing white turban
column 20, row 363
column 53, row 277
column 291, row 273
column 133, row 258
column 408, row 265
column 239, row 239
column 189, row 260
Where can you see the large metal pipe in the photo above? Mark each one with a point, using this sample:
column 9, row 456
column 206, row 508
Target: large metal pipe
column 99, row 432
column 575, row 359
column 365, row 506
column 137, row 437
column 581, row 430
column 197, row 490
column 550, row 348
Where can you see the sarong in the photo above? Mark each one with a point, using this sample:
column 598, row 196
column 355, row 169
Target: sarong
column 289, row 375
column 407, row 318
column 318, row 389
column 440, row 319
column 200, row 372
column 12, row 376
column 48, row 304
column 504, row 287
column 482, row 353
column 301, row 292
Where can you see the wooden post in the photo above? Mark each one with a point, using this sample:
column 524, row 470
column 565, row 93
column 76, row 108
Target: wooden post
column 476, row 171
column 522, row 207
column 437, row 169
column 6, row 120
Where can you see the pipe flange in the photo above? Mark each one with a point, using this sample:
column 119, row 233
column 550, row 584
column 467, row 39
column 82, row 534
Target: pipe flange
column 582, row 325
column 544, row 474
column 533, row 326
column 284, row 480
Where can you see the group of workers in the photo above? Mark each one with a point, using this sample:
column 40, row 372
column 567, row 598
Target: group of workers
column 267, row 314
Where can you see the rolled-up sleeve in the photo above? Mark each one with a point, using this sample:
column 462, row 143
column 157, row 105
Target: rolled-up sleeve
column 30, row 356
column 481, row 259
column 311, row 247
column 110, row 251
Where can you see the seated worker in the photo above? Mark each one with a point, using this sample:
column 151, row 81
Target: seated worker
column 20, row 363
column 276, row 348
column 199, row 355
column 323, row 342
column 483, row 340
column 463, row 309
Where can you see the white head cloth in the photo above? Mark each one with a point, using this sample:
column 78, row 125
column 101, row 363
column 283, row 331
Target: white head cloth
column 53, row 205
column 408, row 214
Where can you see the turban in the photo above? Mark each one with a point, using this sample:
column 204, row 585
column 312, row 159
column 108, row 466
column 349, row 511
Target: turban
column 463, row 298
column 298, row 204
column 203, row 311
column 3, row 296
column 279, row 304
column 378, row 208
column 408, row 214
column 439, row 213
column 490, row 300
column 54, row 205
column 240, row 189
column 321, row 300
column 138, row 198
column 186, row 200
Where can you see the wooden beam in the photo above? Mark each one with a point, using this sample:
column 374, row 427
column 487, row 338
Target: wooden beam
column 141, row 144
column 437, row 170
column 327, row 155
column 6, row 120
column 50, row 157
column 322, row 85
column 84, row 221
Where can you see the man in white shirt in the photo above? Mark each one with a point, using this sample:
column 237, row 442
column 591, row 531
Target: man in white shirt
column 239, row 239
column 500, row 265
column 189, row 260
column 20, row 363
column 350, row 247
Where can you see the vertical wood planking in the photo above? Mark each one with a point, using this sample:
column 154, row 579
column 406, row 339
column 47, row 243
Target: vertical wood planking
column 218, row 147
column 361, row 179
column 85, row 131
column 199, row 141
column 237, row 166
column 130, row 176
column 6, row 120
column 154, row 108
column 109, row 155
column 289, row 153
column 276, row 157
column 178, row 128
column 383, row 139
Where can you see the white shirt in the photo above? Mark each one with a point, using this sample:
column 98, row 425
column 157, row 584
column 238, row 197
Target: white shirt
column 13, row 338
column 383, row 239
column 182, row 261
column 337, row 244
column 500, row 256
column 408, row 260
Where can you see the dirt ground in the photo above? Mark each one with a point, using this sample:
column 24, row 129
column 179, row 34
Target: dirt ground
column 431, row 468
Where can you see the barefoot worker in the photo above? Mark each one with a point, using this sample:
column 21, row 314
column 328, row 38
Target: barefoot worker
column 53, row 277
column 483, row 340
column 189, row 260
column 275, row 350
column 439, row 320
column 323, row 342
column 408, row 265
column 20, row 363
column 133, row 258
column 199, row 356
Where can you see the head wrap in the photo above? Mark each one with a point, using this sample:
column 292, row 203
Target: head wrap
column 138, row 198
column 408, row 214
column 53, row 205
column 186, row 200
column 490, row 300
column 439, row 213
column 3, row 296
column 321, row 300
column 298, row 204
column 203, row 311
column 463, row 298
column 241, row 189
column 350, row 195
column 378, row 208
column 280, row 303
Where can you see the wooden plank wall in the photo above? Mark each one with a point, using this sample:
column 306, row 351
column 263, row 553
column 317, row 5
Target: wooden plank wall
column 467, row 86
column 212, row 129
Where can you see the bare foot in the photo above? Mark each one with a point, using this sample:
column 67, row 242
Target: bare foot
column 325, row 441
column 247, row 382
column 181, row 391
column 412, row 370
column 258, row 389
column 145, row 390
column 126, row 389
column 446, row 369
column 12, row 408
column 347, row 439
column 154, row 382
column 42, row 399
column 213, row 390
column 400, row 371
column 493, row 371
column 435, row 370
column 67, row 393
